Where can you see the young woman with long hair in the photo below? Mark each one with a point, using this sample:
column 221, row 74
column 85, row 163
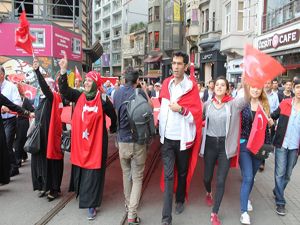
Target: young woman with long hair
column 249, row 164
column 220, row 140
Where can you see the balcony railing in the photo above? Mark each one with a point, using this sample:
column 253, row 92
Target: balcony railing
column 281, row 16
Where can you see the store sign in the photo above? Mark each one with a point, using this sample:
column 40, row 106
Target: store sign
column 208, row 56
column 278, row 40
column 286, row 38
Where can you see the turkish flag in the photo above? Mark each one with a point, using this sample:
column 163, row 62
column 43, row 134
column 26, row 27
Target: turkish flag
column 23, row 37
column 259, row 67
column 66, row 114
column 87, row 133
column 258, row 131
column 16, row 78
column 192, row 68
column 77, row 74
column 191, row 101
column 156, row 109
column 28, row 90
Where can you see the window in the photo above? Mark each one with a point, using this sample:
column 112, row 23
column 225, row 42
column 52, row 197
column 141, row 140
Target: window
column 202, row 19
column 106, row 36
column 214, row 21
column 248, row 16
column 195, row 19
column 206, row 20
column 150, row 15
column 39, row 34
column 76, row 46
column 131, row 43
column 150, row 41
column 156, row 39
column 227, row 17
column 156, row 13
column 240, row 16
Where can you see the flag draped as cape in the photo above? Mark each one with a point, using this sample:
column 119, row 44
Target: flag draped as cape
column 191, row 101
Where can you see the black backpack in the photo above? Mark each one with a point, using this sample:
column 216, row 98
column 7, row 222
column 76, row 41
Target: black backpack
column 140, row 117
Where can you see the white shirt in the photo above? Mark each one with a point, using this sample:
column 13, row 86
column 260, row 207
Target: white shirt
column 10, row 91
column 173, row 126
column 273, row 101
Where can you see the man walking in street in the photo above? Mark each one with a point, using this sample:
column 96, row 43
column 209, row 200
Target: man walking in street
column 180, row 133
column 286, row 142
column 132, row 155
column 10, row 91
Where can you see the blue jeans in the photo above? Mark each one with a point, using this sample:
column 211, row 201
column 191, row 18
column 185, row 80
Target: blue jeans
column 249, row 166
column 285, row 161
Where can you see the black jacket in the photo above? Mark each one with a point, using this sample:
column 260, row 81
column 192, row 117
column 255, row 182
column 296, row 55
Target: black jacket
column 282, row 113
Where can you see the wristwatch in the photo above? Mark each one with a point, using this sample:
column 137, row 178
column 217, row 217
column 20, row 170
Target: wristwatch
column 180, row 110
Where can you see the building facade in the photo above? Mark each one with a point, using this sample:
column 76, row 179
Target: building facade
column 134, row 49
column 240, row 26
column 72, row 15
column 166, row 33
column 192, row 32
column 112, row 20
column 280, row 34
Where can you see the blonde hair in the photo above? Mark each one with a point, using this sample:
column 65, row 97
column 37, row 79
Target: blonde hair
column 263, row 98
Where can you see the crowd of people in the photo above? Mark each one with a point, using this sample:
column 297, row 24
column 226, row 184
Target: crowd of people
column 212, row 122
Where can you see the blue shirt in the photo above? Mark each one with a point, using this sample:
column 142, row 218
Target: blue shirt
column 273, row 101
column 292, row 136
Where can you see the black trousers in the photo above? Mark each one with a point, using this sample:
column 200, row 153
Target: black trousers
column 171, row 153
column 21, row 137
column 10, row 132
column 215, row 151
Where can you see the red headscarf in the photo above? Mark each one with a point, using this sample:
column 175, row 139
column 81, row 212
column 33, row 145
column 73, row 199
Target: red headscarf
column 96, row 77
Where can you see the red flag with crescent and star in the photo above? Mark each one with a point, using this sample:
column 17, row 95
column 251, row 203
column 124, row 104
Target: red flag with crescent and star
column 23, row 37
column 191, row 101
column 259, row 67
column 77, row 74
column 258, row 131
column 87, row 133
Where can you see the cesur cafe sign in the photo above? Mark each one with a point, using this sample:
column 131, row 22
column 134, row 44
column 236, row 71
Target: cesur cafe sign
column 278, row 40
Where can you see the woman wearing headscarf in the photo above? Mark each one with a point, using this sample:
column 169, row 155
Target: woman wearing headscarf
column 47, row 165
column 5, row 106
column 89, row 138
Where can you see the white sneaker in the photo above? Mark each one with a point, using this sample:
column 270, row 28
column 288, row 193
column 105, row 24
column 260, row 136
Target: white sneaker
column 249, row 207
column 245, row 218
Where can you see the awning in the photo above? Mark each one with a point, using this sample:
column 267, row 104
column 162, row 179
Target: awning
column 151, row 76
column 153, row 58
column 95, row 52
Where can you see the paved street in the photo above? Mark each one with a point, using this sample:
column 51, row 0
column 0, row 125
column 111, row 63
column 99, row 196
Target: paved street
column 21, row 206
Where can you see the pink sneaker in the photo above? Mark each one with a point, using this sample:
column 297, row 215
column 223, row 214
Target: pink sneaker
column 215, row 219
column 209, row 200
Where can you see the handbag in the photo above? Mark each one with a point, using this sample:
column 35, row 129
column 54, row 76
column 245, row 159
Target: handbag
column 66, row 141
column 33, row 142
column 264, row 152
